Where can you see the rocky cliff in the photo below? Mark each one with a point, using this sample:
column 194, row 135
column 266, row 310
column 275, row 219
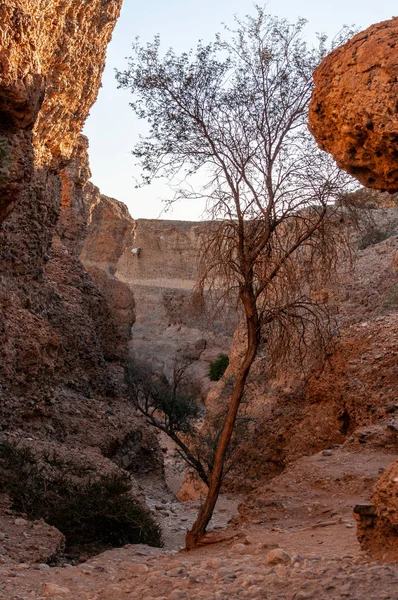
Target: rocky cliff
column 353, row 113
column 62, row 349
column 52, row 56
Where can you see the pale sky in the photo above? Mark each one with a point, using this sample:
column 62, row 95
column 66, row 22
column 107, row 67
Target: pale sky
column 112, row 127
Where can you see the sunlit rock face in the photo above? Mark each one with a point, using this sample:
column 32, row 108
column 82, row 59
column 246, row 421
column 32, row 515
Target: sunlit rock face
column 354, row 116
column 52, row 55
column 354, row 107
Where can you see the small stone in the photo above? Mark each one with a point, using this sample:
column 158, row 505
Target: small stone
column 240, row 548
column 175, row 572
column 255, row 589
column 277, row 557
column 51, row 589
column 20, row 522
column 137, row 569
column 297, row 558
column 178, row 595
column 327, row 453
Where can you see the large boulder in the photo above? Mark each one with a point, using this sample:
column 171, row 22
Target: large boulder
column 354, row 109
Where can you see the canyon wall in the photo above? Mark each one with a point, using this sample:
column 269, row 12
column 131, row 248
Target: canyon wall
column 52, row 56
column 160, row 267
column 63, row 351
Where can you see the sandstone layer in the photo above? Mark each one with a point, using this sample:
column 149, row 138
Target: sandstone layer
column 354, row 113
column 110, row 230
column 65, row 334
column 378, row 531
column 351, row 400
column 354, row 116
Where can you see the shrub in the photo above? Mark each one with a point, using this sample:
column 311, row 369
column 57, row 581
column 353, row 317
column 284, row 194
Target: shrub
column 218, row 367
column 88, row 511
column 373, row 236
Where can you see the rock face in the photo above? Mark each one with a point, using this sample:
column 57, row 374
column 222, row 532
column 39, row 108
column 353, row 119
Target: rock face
column 171, row 318
column 52, row 57
column 110, row 231
column 62, row 350
column 353, row 113
column 352, row 399
column 27, row 541
column 378, row 531
column 354, row 116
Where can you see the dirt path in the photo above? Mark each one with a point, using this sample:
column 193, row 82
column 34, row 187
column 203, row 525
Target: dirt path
column 306, row 511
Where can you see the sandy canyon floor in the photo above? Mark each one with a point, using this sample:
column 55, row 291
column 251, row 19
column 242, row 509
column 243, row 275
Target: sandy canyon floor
column 306, row 512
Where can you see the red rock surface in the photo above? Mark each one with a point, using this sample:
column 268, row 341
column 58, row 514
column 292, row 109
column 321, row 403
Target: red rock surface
column 52, row 56
column 26, row 541
column 110, row 232
column 62, row 351
column 379, row 535
column 354, row 116
column 354, row 111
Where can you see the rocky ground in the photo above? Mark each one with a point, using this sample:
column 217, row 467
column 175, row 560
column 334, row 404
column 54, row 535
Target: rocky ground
column 240, row 572
column 294, row 539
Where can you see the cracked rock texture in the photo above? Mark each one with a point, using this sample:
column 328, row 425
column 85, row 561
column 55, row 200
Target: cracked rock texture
column 354, row 110
column 52, row 55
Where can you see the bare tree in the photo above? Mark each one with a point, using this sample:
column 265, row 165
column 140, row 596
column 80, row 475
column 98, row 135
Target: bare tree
column 235, row 113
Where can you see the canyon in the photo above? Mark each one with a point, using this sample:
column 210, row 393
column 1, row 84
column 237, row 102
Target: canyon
column 85, row 288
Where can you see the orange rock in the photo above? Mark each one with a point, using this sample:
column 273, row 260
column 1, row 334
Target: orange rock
column 52, row 57
column 379, row 536
column 51, row 590
column 354, row 110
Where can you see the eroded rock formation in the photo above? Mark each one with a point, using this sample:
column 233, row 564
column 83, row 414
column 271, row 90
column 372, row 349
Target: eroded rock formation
column 52, row 56
column 354, row 111
column 62, row 350
column 110, row 230
column 172, row 320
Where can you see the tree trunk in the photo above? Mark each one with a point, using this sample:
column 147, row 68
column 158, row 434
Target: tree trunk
column 198, row 530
